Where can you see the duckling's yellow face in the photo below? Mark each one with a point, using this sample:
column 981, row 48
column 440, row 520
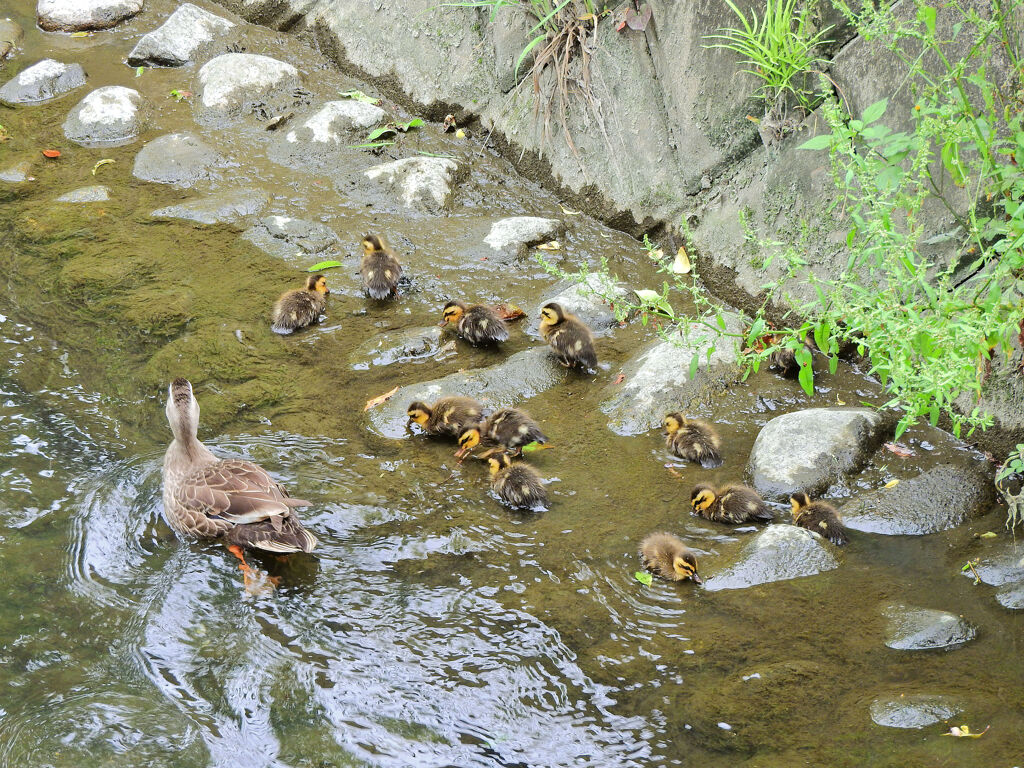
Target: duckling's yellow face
column 451, row 314
column 469, row 439
column 372, row 243
column 550, row 315
column 798, row 502
column 685, row 566
column 321, row 286
column 703, row 499
column 671, row 423
column 498, row 463
column 419, row 414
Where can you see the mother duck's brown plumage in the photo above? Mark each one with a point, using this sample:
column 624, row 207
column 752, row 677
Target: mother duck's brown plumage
column 233, row 500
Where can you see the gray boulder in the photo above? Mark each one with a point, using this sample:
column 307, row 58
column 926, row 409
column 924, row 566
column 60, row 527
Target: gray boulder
column 232, row 84
column 917, row 710
column 809, row 450
column 294, row 240
column 1011, row 596
column 777, row 553
column 83, row 15
column 941, row 498
column 402, row 346
column 179, row 39
column 336, row 122
column 42, row 81
column 177, row 158
column 519, row 377
column 512, row 238
column 658, row 379
column 11, row 34
column 589, row 300
column 108, row 115
column 917, row 629
column 420, row 183
column 228, row 207
column 17, row 173
column 94, row 194
column 1004, row 568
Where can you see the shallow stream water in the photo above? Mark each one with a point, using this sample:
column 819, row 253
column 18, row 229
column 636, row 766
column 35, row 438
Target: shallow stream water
column 432, row 627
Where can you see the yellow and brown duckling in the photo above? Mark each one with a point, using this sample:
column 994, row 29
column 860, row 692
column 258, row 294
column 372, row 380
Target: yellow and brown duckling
column 517, row 484
column 476, row 323
column 693, row 440
column 819, row 517
column 732, row 504
column 448, row 417
column 299, row 308
column 379, row 268
column 508, row 428
column 568, row 336
column 666, row 556
column 784, row 360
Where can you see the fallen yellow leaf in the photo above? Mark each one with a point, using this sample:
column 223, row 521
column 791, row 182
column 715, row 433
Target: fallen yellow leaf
column 375, row 401
column 681, row 266
column 105, row 161
column 892, row 483
column 568, row 211
column 553, row 245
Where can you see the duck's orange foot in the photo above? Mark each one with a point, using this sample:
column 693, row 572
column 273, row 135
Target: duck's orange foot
column 257, row 582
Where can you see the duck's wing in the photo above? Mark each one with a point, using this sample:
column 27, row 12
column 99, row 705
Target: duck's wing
column 237, row 492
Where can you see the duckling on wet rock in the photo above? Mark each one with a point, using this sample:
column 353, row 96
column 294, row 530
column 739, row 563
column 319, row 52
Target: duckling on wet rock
column 476, row 323
column 507, row 428
column 693, row 440
column 819, row 517
column 379, row 268
column 233, row 500
column 568, row 336
column 732, row 504
column 517, row 484
column 299, row 308
column 666, row 556
column 448, row 417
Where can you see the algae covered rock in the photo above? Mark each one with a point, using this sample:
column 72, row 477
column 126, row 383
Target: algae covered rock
column 919, row 629
column 233, row 84
column 43, row 81
column 809, row 450
column 11, row 35
column 181, row 159
column 420, row 183
column 941, row 498
column 108, row 115
column 916, row 710
column 179, row 39
column 227, row 207
column 777, row 553
column 84, row 15
column 97, row 193
column 295, row 240
column 512, row 237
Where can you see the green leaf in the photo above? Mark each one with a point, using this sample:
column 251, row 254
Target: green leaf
column 359, row 96
column 526, row 51
column 534, row 446
column 694, row 365
column 139, row 71
column 806, row 379
column 833, row 364
column 382, row 131
column 874, row 111
column 644, row 578
column 324, row 265
column 755, row 331
column 818, row 142
column 926, row 15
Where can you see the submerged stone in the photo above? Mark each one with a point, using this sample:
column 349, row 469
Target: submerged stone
column 294, row 240
column 658, row 380
column 177, row 158
column 177, row 40
column 17, row 173
column 778, row 553
column 11, row 35
column 42, row 81
column 84, row 15
column 234, row 83
column 1011, row 596
column 97, row 193
column 400, row 346
column 941, row 498
column 227, row 207
column 420, row 183
column 335, row 122
column 108, row 115
column 917, row 710
column 514, row 236
column 809, row 450
column 918, row 629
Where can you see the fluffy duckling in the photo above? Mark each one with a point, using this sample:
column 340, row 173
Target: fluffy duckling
column 517, row 484
column 733, row 504
column 784, row 361
column 568, row 336
column 299, row 308
column 380, row 268
column 666, row 556
column 509, row 428
column 819, row 517
column 693, row 440
column 449, row 416
column 477, row 323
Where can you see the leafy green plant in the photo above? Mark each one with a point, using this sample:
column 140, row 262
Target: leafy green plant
column 779, row 48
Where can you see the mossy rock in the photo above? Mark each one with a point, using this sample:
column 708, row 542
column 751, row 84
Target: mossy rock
column 156, row 312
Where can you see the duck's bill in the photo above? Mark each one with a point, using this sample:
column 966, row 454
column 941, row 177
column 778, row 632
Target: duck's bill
column 696, row 578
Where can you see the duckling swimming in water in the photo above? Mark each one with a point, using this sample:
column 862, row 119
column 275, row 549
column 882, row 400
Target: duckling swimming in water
column 666, row 556
column 568, row 336
column 477, row 323
column 448, row 417
column 517, row 484
column 299, row 308
column 732, row 504
column 693, row 440
column 380, row 268
column 509, row 428
column 819, row 517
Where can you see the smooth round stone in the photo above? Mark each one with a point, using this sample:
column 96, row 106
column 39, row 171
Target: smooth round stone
column 176, row 158
column 42, row 81
column 919, row 629
column 420, row 183
column 83, row 15
column 232, row 82
column 914, row 711
column 108, row 115
column 777, row 553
